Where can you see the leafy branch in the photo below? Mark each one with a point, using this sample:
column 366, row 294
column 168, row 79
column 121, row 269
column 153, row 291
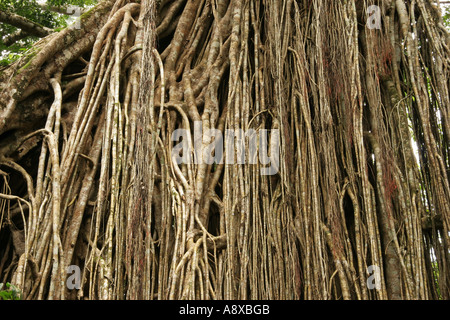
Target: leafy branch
column 11, row 292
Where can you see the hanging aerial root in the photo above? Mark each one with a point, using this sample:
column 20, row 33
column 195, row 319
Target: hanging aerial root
column 101, row 185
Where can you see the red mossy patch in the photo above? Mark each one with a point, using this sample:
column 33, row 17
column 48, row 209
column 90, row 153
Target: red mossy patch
column 384, row 53
column 390, row 185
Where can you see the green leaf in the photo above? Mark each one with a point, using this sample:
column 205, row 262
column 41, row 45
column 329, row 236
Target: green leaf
column 31, row 10
column 11, row 292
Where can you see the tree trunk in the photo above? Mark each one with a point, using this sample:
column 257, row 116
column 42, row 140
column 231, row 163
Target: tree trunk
column 230, row 149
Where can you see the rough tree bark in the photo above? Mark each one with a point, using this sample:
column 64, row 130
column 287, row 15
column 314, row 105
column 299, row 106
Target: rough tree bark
column 88, row 170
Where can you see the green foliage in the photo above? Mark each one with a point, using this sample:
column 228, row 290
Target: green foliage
column 446, row 17
column 81, row 3
column 11, row 292
column 31, row 10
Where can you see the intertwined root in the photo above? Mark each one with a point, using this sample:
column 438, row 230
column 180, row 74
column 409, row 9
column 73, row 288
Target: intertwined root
column 106, row 194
